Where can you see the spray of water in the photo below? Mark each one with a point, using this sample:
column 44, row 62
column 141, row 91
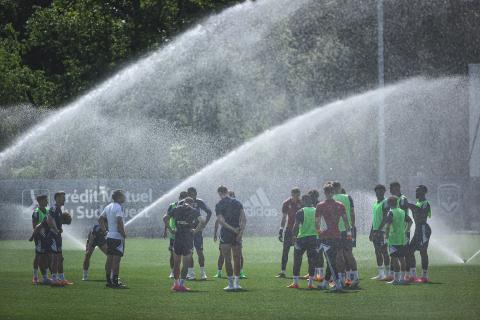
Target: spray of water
column 331, row 142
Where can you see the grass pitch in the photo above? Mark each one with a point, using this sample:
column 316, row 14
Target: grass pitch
column 452, row 294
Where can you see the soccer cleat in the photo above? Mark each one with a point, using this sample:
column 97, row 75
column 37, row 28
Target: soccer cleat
column 311, row 286
column 305, row 277
column 281, row 275
column 421, row 280
column 119, row 286
column 218, row 274
column 190, row 276
column 85, row 278
column 293, row 286
column 183, row 289
column 243, row 275
column 57, row 283
column 171, row 276
column 237, row 286
column 319, row 278
column 377, row 277
column 323, row 286
column 229, row 288
column 65, row 282
column 400, row 282
column 203, row 276
column 347, row 283
column 331, row 284
column 354, row 284
column 175, row 287
column 388, row 278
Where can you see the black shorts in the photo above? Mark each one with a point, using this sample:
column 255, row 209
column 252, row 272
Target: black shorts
column 421, row 238
column 41, row 244
column 98, row 241
column 397, row 251
column 54, row 242
column 170, row 244
column 115, row 247
column 198, row 241
column 183, row 244
column 228, row 237
column 378, row 239
column 344, row 242
column 306, row 243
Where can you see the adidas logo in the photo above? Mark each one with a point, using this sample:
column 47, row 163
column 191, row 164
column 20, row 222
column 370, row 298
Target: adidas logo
column 258, row 205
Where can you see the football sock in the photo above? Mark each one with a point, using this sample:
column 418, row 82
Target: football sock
column 413, row 272
column 295, row 279
column 35, row 273
column 354, row 275
column 425, row 274
column 310, row 281
column 381, row 271
column 61, row 276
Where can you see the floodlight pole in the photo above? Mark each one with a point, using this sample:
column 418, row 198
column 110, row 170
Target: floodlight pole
column 381, row 83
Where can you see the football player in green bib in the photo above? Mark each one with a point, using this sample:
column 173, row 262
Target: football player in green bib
column 348, row 243
column 421, row 212
column 39, row 236
column 377, row 233
column 305, row 237
column 398, row 223
column 171, row 224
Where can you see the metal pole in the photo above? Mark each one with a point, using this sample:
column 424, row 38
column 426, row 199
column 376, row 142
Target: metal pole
column 381, row 83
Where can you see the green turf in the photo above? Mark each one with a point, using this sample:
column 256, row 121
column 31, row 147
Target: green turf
column 453, row 293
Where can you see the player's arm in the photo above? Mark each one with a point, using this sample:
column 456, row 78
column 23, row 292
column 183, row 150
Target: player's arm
column 202, row 222
column 352, row 212
column 242, row 223
column 166, row 224
column 409, row 222
column 384, row 216
column 224, row 224
column 121, row 227
column 215, row 230
column 296, row 224
column 283, row 222
column 388, row 224
column 205, row 208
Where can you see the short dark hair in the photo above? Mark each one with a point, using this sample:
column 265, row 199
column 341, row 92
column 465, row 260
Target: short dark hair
column 307, row 200
column 395, row 184
column 42, row 196
column 392, row 201
column 314, row 194
column 183, row 195
column 336, row 184
column 222, row 189
column 192, row 190
column 231, row 193
column 422, row 187
column 295, row 190
column 116, row 194
column 328, row 187
column 58, row 193
column 380, row 187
